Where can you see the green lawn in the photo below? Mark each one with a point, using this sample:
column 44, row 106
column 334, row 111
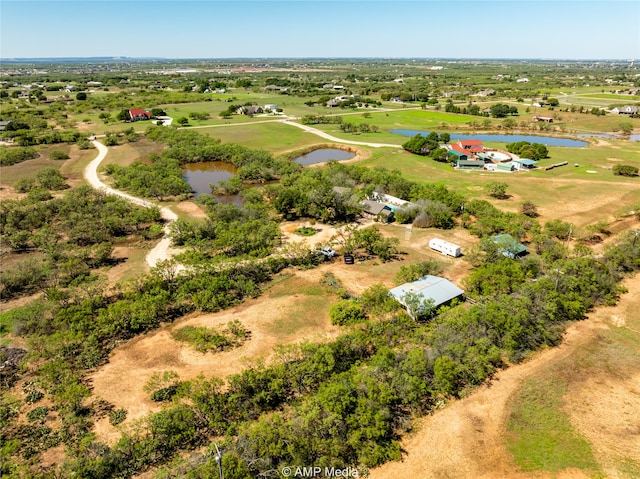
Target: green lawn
column 614, row 96
column 273, row 136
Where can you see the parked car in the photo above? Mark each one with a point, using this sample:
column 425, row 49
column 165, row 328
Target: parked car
column 328, row 252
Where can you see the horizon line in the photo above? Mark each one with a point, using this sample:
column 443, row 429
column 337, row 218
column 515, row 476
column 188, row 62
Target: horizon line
column 259, row 58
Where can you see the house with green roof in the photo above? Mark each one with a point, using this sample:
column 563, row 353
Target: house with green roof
column 508, row 246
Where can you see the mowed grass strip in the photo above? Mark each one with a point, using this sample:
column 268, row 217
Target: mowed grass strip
column 274, row 136
column 540, row 435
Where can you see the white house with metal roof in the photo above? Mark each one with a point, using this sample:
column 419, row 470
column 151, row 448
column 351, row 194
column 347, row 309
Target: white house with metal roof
column 428, row 290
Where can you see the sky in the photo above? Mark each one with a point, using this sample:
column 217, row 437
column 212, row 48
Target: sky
column 543, row 29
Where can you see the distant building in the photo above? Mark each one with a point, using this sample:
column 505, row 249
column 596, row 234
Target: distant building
column 138, row 114
column 524, row 164
column 625, row 110
column 249, row 110
column 546, row 119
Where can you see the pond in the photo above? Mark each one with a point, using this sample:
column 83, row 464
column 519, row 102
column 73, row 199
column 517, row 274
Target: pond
column 201, row 175
column 609, row 135
column 323, row 155
column 545, row 140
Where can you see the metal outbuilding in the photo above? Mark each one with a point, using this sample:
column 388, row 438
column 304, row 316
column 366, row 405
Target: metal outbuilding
column 439, row 290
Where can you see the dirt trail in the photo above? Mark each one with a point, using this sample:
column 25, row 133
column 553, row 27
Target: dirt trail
column 162, row 250
column 315, row 131
column 466, row 439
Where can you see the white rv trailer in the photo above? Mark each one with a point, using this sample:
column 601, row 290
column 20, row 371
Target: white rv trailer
column 445, row 247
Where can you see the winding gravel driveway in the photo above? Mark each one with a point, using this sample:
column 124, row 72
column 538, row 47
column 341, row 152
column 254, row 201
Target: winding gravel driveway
column 161, row 251
column 315, row 131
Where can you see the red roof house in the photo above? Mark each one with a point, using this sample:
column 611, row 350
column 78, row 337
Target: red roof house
column 138, row 114
column 468, row 144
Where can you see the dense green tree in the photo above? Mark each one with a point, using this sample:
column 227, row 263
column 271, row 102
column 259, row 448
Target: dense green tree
column 497, row 189
column 625, row 170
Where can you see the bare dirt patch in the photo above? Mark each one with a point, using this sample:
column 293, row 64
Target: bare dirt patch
column 9, row 193
column 466, row 439
column 605, row 410
column 191, row 209
column 324, row 232
column 279, row 317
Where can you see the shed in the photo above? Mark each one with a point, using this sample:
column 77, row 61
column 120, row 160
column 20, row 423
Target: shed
column 505, row 166
column 508, row 246
column 437, row 290
column 459, row 155
column 470, row 164
column 524, row 163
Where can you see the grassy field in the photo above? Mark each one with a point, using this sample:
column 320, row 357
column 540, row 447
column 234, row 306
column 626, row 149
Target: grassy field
column 613, row 96
column 71, row 168
column 273, row 136
column 581, row 411
column 126, row 154
column 540, row 434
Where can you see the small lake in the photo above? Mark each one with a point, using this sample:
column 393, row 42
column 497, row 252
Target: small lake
column 608, row 135
column 323, row 155
column 201, row 175
column 545, row 140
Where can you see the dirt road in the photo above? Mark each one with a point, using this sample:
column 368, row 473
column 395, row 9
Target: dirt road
column 315, row 131
column 162, row 250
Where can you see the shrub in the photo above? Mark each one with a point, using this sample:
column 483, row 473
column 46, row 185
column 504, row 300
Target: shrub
column 497, row 189
column 305, row 231
column 117, row 416
column 38, row 414
column 529, row 209
column 58, row 155
column 625, row 170
column 11, row 156
column 164, row 394
column 347, row 311
column 51, row 179
column 25, row 185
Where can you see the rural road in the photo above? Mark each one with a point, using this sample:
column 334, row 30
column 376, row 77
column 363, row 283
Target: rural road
column 161, row 251
column 315, row 131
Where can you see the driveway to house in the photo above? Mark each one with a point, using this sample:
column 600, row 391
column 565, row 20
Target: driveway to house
column 315, row 131
column 162, row 250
